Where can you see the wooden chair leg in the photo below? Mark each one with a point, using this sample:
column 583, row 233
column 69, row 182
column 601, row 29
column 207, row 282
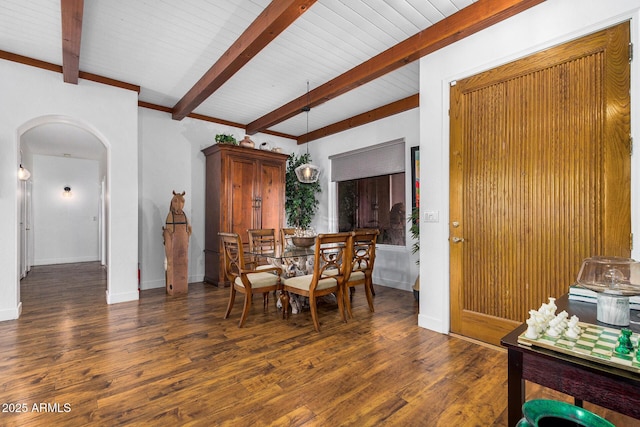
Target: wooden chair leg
column 265, row 301
column 284, row 299
column 368, row 290
column 232, row 298
column 340, row 297
column 314, row 312
column 245, row 309
column 347, row 302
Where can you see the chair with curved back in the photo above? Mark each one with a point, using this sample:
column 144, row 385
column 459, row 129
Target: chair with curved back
column 243, row 280
column 330, row 270
column 363, row 259
column 364, row 230
column 285, row 237
column 261, row 241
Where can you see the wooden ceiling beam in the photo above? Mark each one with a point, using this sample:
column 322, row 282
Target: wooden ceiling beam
column 26, row 60
column 266, row 27
column 71, row 34
column 210, row 119
column 467, row 21
column 58, row 69
column 388, row 110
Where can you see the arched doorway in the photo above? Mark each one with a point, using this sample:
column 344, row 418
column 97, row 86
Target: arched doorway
column 58, row 227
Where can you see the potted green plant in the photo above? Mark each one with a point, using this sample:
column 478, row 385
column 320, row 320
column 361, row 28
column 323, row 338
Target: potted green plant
column 226, row 138
column 300, row 203
column 414, row 220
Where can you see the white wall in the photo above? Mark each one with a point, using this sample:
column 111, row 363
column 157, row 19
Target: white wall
column 545, row 25
column 32, row 96
column 395, row 266
column 65, row 229
column 171, row 159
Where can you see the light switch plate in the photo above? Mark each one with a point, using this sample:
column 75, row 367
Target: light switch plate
column 431, row 216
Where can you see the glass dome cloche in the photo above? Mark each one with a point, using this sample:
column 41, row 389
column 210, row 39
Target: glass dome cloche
column 611, row 275
column 614, row 279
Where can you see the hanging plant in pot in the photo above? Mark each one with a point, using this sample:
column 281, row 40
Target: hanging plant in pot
column 301, row 203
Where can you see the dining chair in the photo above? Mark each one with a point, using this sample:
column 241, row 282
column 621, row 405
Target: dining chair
column 363, row 257
column 243, row 280
column 286, row 234
column 364, row 230
column 261, row 241
column 329, row 269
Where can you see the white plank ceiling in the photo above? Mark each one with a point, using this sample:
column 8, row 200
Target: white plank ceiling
column 166, row 46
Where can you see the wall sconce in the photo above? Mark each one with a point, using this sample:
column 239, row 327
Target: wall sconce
column 67, row 192
column 23, row 173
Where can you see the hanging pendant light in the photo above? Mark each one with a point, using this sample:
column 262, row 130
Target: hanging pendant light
column 23, row 174
column 307, row 173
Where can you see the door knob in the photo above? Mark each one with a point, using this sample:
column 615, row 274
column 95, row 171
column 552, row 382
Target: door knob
column 457, row 239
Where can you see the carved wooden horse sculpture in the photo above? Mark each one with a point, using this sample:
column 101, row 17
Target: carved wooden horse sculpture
column 176, row 246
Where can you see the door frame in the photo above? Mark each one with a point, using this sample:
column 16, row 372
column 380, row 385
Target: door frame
column 105, row 209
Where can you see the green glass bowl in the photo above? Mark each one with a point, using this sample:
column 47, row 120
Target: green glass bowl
column 544, row 412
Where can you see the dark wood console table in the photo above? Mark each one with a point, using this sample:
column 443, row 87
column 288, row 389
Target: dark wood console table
column 606, row 386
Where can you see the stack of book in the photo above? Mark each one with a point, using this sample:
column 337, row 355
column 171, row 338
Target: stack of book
column 578, row 293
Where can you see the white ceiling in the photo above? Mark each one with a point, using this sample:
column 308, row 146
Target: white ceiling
column 63, row 140
column 165, row 47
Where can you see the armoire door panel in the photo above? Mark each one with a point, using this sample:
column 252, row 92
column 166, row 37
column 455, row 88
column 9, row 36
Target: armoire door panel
column 243, row 194
column 271, row 194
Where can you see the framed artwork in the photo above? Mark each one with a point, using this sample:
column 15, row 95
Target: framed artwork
column 415, row 177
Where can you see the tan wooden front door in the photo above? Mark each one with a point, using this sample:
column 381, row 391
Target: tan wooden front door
column 540, row 178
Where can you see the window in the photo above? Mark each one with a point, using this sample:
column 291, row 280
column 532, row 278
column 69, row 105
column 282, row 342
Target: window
column 371, row 190
column 375, row 202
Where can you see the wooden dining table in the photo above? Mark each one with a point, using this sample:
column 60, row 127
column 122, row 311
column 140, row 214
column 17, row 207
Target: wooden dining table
column 292, row 260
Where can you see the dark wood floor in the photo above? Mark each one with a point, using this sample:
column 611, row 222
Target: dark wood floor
column 71, row 359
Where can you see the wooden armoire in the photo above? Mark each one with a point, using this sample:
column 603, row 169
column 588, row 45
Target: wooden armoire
column 245, row 188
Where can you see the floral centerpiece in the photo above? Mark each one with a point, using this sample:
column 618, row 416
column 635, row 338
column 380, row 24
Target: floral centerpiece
column 304, row 237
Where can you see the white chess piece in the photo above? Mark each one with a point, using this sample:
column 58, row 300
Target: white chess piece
column 573, row 329
column 540, row 321
column 558, row 324
column 554, row 327
column 532, row 329
column 548, row 311
column 573, row 321
column 571, row 333
column 562, row 319
column 544, row 309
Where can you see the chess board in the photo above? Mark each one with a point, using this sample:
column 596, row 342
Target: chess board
column 596, row 343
